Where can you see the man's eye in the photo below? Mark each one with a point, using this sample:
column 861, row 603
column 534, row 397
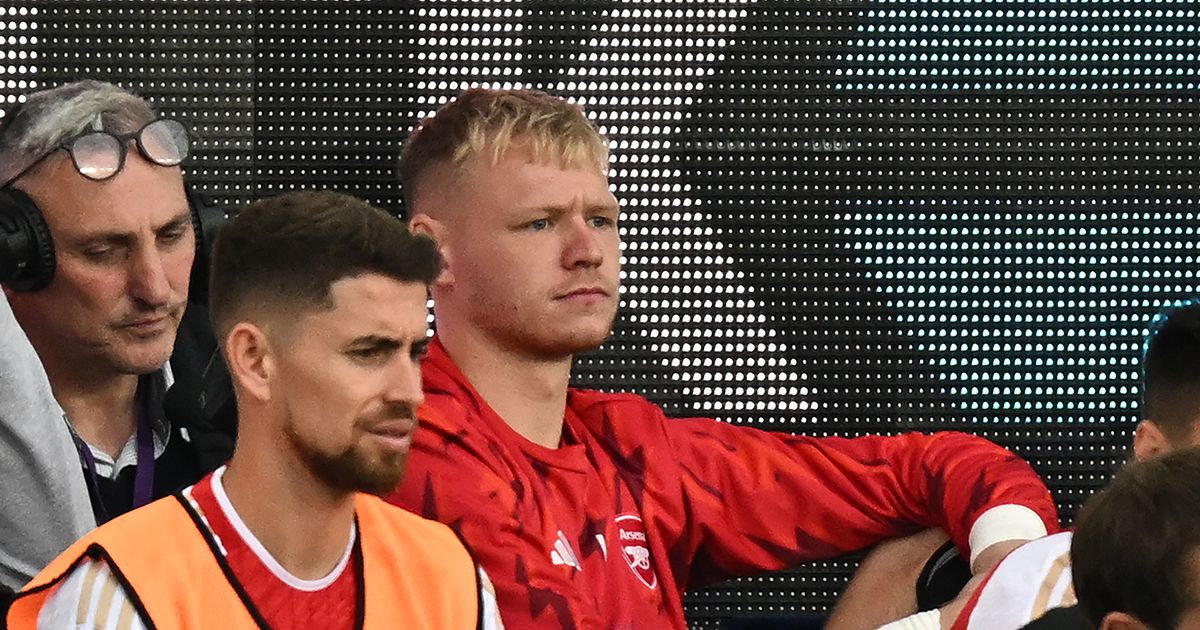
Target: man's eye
column 173, row 236
column 538, row 225
column 367, row 355
column 602, row 222
column 101, row 254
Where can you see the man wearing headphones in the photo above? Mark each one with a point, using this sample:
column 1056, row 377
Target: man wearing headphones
column 97, row 242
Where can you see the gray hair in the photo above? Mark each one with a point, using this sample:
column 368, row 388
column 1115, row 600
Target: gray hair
column 49, row 117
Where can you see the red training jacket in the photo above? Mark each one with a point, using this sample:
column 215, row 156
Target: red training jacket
column 607, row 530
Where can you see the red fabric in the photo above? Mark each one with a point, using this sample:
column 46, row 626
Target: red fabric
column 717, row 500
column 282, row 606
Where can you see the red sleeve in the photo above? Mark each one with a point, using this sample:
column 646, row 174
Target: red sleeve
column 753, row 500
column 452, row 479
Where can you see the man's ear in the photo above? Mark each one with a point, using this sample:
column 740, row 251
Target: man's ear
column 1121, row 621
column 428, row 226
column 1149, row 441
column 251, row 363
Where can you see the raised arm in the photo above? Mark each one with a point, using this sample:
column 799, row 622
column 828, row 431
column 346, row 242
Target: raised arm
column 757, row 500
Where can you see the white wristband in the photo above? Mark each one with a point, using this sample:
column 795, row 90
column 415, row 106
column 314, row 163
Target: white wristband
column 1004, row 522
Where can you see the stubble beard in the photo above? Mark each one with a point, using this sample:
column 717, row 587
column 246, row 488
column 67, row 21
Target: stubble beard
column 353, row 469
column 123, row 363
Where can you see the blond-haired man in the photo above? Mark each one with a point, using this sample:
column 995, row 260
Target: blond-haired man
column 594, row 510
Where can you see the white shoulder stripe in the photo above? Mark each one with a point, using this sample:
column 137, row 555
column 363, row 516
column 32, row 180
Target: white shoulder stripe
column 89, row 598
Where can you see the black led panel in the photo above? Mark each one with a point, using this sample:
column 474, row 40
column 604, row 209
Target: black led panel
column 841, row 217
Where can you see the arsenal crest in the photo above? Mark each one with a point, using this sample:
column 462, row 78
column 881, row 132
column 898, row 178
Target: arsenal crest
column 631, row 538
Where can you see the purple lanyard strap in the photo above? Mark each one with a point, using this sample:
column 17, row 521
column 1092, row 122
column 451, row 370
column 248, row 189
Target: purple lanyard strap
column 143, row 478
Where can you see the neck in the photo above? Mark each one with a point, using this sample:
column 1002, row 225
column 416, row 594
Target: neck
column 101, row 406
column 304, row 524
column 528, row 392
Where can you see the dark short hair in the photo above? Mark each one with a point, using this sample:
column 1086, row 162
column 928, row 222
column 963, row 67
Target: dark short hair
column 281, row 255
column 1135, row 544
column 1171, row 372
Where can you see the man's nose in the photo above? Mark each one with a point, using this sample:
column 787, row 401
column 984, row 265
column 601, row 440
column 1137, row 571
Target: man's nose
column 404, row 383
column 582, row 247
column 148, row 282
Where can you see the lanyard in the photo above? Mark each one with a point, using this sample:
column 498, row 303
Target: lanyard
column 143, row 479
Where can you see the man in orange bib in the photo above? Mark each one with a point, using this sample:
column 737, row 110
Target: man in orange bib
column 319, row 300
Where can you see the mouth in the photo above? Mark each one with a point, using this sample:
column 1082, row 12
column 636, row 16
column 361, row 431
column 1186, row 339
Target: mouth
column 152, row 323
column 584, row 293
column 396, row 435
column 147, row 325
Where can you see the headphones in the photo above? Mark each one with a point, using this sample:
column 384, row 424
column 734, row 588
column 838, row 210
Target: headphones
column 27, row 250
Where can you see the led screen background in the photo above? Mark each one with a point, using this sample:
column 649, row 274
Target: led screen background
column 841, row 217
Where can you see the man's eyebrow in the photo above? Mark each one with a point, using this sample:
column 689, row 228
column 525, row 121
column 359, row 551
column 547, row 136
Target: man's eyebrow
column 376, row 341
column 178, row 221
column 126, row 238
column 551, row 209
column 421, row 346
column 555, row 210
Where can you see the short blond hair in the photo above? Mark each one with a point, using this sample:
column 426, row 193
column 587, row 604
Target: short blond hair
column 486, row 122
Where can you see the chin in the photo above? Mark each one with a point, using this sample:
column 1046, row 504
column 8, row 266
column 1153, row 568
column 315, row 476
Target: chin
column 141, row 363
column 380, row 476
column 572, row 342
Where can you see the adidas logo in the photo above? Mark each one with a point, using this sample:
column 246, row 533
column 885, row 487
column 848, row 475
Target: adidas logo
column 562, row 554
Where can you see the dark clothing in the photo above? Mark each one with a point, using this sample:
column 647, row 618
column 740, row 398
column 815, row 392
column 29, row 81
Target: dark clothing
column 200, row 410
column 201, row 399
column 1060, row 619
column 943, row 578
column 6, row 600
column 175, row 468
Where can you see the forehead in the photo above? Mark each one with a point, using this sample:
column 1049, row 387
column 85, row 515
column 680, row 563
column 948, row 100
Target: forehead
column 518, row 181
column 141, row 195
column 372, row 304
